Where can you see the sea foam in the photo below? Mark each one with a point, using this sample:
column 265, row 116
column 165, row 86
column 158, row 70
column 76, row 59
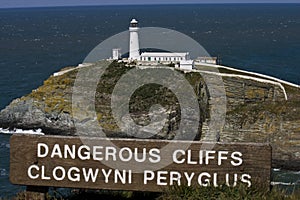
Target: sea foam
column 21, row 131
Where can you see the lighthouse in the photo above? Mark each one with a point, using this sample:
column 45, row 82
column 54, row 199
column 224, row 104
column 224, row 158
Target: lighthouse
column 134, row 48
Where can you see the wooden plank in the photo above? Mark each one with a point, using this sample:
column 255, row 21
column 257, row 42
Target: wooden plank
column 70, row 159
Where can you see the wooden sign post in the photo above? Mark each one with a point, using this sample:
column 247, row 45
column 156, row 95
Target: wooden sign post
column 137, row 165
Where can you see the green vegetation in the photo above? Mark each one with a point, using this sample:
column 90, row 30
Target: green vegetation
column 55, row 97
column 228, row 71
column 293, row 93
column 54, row 94
column 77, row 194
column 179, row 193
column 225, row 193
column 141, row 100
column 289, row 110
column 104, row 90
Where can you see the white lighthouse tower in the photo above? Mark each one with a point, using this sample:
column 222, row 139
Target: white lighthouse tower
column 134, row 47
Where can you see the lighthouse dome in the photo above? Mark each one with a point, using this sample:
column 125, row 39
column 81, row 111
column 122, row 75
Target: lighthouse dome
column 133, row 21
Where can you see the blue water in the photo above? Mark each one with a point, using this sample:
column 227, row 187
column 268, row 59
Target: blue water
column 35, row 42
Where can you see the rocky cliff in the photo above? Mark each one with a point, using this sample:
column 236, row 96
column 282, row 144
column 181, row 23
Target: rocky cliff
column 258, row 109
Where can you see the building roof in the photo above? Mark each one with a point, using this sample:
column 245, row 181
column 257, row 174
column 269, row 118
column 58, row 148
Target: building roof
column 186, row 62
column 134, row 21
column 164, row 54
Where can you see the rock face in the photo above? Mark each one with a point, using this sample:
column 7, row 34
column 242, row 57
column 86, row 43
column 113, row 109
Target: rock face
column 257, row 109
column 25, row 114
column 48, row 108
column 263, row 115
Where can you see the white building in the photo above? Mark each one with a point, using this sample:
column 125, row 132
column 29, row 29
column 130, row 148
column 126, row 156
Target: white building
column 186, row 64
column 209, row 60
column 116, row 53
column 134, row 47
column 164, row 57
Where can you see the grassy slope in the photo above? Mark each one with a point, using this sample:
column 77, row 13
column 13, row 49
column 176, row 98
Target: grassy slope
column 179, row 193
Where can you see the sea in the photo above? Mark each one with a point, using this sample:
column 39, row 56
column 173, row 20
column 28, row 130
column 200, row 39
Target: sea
column 36, row 42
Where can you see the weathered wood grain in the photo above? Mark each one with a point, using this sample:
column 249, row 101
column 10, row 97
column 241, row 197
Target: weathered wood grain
column 256, row 162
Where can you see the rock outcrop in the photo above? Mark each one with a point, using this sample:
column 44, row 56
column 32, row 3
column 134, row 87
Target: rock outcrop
column 257, row 109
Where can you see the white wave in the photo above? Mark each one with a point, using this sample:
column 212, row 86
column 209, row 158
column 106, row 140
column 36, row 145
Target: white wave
column 281, row 183
column 21, row 131
column 5, row 145
column 276, row 169
column 3, row 172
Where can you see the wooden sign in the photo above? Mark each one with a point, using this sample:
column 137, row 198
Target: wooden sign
column 132, row 164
